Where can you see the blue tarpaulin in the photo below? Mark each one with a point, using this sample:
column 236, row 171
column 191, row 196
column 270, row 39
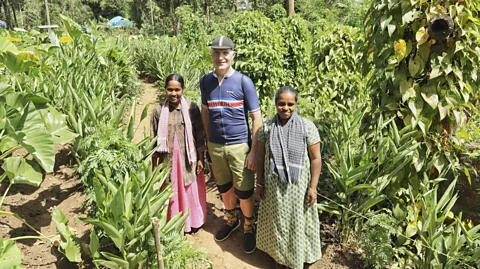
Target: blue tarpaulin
column 119, row 21
column 3, row 24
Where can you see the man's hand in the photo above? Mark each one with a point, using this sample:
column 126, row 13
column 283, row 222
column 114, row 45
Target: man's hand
column 250, row 161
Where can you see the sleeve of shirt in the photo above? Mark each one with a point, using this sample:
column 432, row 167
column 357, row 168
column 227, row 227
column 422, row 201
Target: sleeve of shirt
column 202, row 92
column 251, row 98
column 313, row 137
column 154, row 122
column 197, row 126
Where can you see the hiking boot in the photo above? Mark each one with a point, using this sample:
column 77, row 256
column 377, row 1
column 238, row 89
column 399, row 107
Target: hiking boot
column 226, row 230
column 249, row 242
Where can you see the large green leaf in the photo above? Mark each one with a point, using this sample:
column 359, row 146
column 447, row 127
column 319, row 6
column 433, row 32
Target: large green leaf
column 22, row 171
column 19, row 100
column 16, row 63
column 73, row 29
column 30, row 133
column 10, row 256
column 6, row 45
column 55, row 124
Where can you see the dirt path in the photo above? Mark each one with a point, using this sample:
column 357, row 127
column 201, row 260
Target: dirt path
column 229, row 254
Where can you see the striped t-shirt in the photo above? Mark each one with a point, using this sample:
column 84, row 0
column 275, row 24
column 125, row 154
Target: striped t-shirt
column 227, row 105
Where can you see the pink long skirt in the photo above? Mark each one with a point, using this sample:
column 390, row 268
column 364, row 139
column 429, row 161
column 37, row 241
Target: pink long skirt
column 193, row 196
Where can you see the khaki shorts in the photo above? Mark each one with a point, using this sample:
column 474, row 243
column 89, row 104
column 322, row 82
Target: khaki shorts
column 228, row 164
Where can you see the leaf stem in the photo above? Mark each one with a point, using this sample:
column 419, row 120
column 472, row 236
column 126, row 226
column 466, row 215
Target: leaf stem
column 6, row 191
column 8, row 213
column 32, row 237
column 6, row 153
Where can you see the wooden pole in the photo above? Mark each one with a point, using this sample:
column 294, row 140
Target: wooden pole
column 291, row 7
column 48, row 12
column 158, row 246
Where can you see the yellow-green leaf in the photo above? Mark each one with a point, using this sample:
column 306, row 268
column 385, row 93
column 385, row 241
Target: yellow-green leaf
column 400, row 48
column 411, row 229
column 421, row 36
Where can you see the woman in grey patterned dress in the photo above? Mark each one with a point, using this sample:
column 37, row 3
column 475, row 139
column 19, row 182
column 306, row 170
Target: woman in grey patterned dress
column 288, row 168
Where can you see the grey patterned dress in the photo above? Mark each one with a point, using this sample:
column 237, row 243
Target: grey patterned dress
column 289, row 230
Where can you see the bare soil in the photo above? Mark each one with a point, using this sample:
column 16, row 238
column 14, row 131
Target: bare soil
column 35, row 206
column 60, row 189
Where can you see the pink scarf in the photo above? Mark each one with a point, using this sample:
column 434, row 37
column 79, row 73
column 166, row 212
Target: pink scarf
column 162, row 132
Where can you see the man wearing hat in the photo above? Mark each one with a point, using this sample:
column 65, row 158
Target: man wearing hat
column 228, row 97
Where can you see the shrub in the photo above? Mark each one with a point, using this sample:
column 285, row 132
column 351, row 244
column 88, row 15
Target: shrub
column 259, row 52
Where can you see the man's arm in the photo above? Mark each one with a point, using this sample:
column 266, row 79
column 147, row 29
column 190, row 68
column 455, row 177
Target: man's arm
column 206, row 123
column 256, row 124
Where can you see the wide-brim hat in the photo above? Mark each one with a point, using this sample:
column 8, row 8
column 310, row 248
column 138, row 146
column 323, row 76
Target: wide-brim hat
column 222, row 42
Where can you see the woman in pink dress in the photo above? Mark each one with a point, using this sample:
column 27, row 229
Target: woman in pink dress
column 178, row 126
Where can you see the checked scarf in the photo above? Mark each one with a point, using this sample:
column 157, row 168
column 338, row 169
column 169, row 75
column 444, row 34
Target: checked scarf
column 287, row 148
column 162, row 133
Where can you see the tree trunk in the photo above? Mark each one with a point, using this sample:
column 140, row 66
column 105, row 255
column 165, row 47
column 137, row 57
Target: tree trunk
column 8, row 16
column 14, row 16
column 207, row 13
column 47, row 12
column 291, row 7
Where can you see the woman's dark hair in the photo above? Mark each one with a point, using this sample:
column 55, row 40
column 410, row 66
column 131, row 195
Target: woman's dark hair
column 174, row 77
column 285, row 89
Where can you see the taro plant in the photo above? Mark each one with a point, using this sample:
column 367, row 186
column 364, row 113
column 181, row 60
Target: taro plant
column 28, row 122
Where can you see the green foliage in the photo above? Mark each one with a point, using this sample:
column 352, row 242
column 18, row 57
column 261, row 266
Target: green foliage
column 433, row 237
column 159, row 57
column 324, row 14
column 193, row 28
column 125, row 206
column 297, row 43
column 356, row 187
column 275, row 12
column 428, row 83
column 337, row 86
column 376, row 240
column 105, row 145
column 259, row 52
column 180, row 254
column 337, row 57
